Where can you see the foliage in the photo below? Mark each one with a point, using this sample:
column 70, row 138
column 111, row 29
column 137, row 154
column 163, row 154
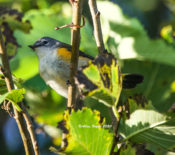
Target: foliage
column 149, row 122
column 128, row 31
column 14, row 96
column 11, row 20
column 129, row 150
column 87, row 133
column 3, row 88
column 149, row 126
column 101, row 79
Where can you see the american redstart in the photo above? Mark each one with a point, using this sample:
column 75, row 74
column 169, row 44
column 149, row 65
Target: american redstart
column 54, row 64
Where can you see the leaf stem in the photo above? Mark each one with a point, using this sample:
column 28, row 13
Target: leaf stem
column 115, row 112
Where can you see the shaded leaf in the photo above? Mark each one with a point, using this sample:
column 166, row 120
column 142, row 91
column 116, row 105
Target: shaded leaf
column 10, row 20
column 3, row 88
column 157, row 85
column 129, row 150
column 43, row 112
column 149, row 126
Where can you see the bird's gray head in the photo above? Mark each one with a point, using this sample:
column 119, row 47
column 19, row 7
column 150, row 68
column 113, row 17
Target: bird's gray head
column 44, row 45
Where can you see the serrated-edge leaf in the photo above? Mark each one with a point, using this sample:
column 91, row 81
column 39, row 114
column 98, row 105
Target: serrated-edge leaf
column 104, row 74
column 144, row 129
column 148, row 127
column 80, row 138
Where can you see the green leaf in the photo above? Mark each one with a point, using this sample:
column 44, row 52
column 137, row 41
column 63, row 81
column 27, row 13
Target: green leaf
column 101, row 79
column 86, row 134
column 3, row 97
column 129, row 31
column 149, row 126
column 45, row 113
column 14, row 96
column 158, row 150
column 3, row 88
column 158, row 84
column 11, row 20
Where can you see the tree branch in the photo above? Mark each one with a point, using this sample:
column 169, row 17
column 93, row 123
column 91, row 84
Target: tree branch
column 77, row 6
column 10, row 85
column 75, row 39
column 97, row 25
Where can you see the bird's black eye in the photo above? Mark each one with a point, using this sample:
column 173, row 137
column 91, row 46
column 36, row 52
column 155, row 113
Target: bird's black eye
column 45, row 42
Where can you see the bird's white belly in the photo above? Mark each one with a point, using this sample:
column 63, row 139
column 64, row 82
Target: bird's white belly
column 60, row 89
column 56, row 73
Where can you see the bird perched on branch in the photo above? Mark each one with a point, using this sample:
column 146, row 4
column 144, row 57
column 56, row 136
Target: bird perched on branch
column 54, row 64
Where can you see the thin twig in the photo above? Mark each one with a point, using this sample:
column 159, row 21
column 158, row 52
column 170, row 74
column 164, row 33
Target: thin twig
column 17, row 115
column 31, row 131
column 97, row 25
column 75, row 40
column 71, row 25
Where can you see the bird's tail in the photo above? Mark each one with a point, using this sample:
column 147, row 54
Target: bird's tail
column 131, row 80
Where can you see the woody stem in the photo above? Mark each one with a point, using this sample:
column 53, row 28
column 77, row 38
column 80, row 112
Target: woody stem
column 10, row 85
column 77, row 7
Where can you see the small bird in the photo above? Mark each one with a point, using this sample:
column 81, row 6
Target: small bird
column 54, row 64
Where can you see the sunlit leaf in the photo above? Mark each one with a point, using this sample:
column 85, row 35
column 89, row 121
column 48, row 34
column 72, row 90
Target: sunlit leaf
column 130, row 38
column 87, row 134
column 101, row 79
column 14, row 96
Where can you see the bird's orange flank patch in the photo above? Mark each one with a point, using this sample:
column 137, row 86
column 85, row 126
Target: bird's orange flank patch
column 64, row 53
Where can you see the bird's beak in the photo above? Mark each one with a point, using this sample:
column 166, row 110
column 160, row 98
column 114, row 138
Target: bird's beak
column 32, row 47
column 35, row 45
